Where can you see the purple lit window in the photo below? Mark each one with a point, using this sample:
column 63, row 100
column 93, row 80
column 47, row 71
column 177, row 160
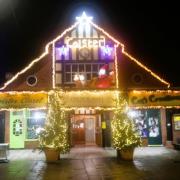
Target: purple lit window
column 107, row 52
column 62, row 53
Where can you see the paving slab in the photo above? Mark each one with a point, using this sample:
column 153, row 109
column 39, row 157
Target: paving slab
column 93, row 163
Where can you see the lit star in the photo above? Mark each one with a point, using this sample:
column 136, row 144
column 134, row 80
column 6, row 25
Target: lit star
column 84, row 18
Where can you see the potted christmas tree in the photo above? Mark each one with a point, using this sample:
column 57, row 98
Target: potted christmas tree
column 125, row 136
column 54, row 138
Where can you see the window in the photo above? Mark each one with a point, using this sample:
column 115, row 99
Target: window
column 31, row 80
column 89, row 70
column 35, row 123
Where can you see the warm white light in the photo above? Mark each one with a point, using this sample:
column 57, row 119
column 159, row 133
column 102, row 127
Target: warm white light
column 81, row 77
column 132, row 113
column 76, row 77
column 84, row 18
column 38, row 115
column 102, row 72
column 38, row 130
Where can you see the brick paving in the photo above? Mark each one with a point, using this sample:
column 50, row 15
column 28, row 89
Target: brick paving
column 93, row 163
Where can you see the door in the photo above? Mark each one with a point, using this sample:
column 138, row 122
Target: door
column 2, row 127
column 90, row 130
column 78, row 130
column 17, row 129
column 154, row 127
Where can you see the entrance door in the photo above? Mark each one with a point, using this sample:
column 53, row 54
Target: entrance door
column 17, row 129
column 90, row 130
column 83, row 129
column 78, row 130
column 2, row 127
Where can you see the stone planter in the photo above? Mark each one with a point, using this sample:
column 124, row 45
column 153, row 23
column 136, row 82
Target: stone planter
column 51, row 154
column 126, row 154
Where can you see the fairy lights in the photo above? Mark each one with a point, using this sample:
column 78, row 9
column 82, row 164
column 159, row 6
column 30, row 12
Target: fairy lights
column 116, row 67
column 53, row 67
column 80, row 20
column 46, row 52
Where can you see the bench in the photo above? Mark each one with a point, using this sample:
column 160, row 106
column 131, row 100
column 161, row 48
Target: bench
column 177, row 144
column 3, row 152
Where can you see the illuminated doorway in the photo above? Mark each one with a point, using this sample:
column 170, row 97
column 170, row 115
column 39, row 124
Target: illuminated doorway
column 85, row 130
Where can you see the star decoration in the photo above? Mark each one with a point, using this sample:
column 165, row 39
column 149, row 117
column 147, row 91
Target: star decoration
column 84, row 18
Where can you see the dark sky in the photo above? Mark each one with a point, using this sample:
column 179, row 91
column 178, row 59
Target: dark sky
column 149, row 30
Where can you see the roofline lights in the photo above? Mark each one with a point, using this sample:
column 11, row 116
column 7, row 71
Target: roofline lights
column 66, row 31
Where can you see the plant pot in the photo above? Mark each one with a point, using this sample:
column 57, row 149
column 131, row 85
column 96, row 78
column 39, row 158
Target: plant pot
column 126, row 154
column 51, row 154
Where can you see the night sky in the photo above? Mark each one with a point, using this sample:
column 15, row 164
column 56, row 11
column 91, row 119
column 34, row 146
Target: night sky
column 149, row 31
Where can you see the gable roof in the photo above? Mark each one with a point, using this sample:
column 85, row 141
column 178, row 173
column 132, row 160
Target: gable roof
column 118, row 43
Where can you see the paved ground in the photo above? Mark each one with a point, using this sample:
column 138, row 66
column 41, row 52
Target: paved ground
column 150, row 163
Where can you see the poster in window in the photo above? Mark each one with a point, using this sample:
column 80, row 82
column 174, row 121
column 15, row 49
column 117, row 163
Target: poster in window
column 153, row 127
column 176, row 119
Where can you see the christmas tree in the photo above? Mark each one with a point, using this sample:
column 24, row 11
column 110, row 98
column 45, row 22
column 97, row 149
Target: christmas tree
column 55, row 134
column 124, row 132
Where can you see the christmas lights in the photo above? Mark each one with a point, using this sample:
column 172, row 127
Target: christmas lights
column 55, row 133
column 81, row 20
column 124, row 133
column 145, row 68
column 53, row 66
column 46, row 52
column 116, row 68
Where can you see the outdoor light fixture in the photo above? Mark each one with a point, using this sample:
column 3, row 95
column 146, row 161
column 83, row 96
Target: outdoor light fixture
column 38, row 115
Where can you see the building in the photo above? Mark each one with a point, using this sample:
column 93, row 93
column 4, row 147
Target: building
column 88, row 67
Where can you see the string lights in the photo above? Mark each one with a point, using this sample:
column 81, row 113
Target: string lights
column 47, row 47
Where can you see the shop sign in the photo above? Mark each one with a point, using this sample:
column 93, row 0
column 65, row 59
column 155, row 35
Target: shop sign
column 156, row 98
column 22, row 100
column 85, row 42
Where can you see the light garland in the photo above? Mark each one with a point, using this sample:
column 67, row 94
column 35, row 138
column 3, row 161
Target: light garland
column 156, row 91
column 24, row 92
column 20, row 109
column 60, row 36
column 46, row 52
column 145, row 68
column 154, row 107
column 53, row 66
column 116, row 68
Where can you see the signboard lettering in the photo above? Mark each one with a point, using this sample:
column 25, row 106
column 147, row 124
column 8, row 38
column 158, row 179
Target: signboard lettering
column 154, row 99
column 85, row 42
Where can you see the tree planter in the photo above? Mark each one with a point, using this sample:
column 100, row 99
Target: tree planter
column 51, row 154
column 126, row 154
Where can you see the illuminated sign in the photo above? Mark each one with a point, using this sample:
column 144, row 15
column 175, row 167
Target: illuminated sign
column 85, row 42
column 156, row 98
column 22, row 100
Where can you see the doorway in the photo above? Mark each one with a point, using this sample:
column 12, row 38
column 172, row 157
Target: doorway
column 2, row 127
column 83, row 128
